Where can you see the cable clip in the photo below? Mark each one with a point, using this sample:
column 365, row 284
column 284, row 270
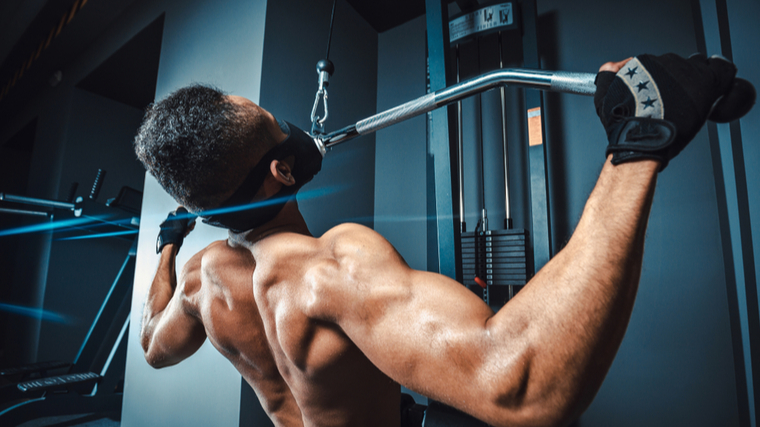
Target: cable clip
column 325, row 68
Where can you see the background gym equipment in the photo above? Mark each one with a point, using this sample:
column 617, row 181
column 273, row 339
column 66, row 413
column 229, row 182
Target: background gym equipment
column 94, row 217
column 93, row 381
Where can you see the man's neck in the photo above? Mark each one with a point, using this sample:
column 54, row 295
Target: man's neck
column 289, row 220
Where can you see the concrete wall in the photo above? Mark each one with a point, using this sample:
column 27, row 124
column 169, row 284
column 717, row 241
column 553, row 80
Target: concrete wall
column 745, row 36
column 400, row 153
column 342, row 191
column 27, row 284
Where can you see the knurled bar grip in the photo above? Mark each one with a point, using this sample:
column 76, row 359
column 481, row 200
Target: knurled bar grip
column 397, row 114
column 577, row 83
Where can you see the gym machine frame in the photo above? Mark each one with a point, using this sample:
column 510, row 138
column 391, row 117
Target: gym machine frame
column 443, row 93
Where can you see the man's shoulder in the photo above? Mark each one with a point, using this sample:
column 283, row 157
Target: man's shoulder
column 356, row 243
column 353, row 257
column 350, row 232
column 216, row 254
column 213, row 249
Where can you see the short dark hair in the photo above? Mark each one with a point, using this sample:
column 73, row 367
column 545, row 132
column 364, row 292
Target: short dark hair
column 199, row 145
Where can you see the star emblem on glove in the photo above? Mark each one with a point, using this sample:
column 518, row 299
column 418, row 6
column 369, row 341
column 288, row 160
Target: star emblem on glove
column 649, row 103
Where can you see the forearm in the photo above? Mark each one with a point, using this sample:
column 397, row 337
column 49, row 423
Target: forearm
column 160, row 293
column 575, row 311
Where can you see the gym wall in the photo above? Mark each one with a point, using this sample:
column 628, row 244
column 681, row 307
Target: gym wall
column 295, row 39
column 675, row 366
column 401, row 154
column 745, row 36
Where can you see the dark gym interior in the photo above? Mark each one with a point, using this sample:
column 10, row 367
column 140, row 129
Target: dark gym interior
column 77, row 75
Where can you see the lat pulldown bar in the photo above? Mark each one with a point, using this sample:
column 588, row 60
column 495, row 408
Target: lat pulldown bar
column 554, row 81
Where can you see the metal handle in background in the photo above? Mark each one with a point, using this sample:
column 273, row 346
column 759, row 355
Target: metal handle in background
column 554, row 81
column 24, row 212
column 37, row 202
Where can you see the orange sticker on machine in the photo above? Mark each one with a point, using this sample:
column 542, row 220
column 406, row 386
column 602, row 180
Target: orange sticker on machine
column 535, row 137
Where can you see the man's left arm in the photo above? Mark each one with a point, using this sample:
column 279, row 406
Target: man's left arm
column 170, row 333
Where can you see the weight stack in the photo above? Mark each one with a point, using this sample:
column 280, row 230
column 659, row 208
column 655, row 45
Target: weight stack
column 498, row 259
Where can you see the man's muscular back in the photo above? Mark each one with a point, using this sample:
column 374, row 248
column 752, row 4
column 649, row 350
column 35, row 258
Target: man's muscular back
column 332, row 380
column 262, row 326
column 214, row 288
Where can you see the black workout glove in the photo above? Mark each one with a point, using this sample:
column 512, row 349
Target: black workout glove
column 174, row 228
column 655, row 105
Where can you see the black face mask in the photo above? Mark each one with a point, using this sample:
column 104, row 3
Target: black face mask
column 238, row 213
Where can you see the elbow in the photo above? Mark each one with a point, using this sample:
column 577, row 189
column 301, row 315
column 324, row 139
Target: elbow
column 152, row 356
column 156, row 361
column 152, row 361
column 536, row 413
column 156, row 356
column 532, row 399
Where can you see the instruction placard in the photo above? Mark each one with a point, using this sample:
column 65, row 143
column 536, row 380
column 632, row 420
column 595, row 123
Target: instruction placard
column 488, row 19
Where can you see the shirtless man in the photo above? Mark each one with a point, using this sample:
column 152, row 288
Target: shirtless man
column 325, row 329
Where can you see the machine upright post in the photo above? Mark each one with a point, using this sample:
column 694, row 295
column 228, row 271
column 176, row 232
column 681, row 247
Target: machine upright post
column 460, row 154
column 439, row 143
column 504, row 140
column 539, row 192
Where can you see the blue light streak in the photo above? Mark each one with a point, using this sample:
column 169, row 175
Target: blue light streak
column 101, row 235
column 395, row 218
column 101, row 222
column 36, row 313
column 305, row 195
column 47, row 226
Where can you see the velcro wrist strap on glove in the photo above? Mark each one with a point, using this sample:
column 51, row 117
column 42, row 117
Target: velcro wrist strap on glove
column 174, row 228
column 654, row 106
column 641, row 138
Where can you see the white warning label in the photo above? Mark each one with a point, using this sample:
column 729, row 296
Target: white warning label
column 488, row 18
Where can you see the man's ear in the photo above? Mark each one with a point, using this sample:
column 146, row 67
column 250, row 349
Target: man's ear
column 282, row 172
